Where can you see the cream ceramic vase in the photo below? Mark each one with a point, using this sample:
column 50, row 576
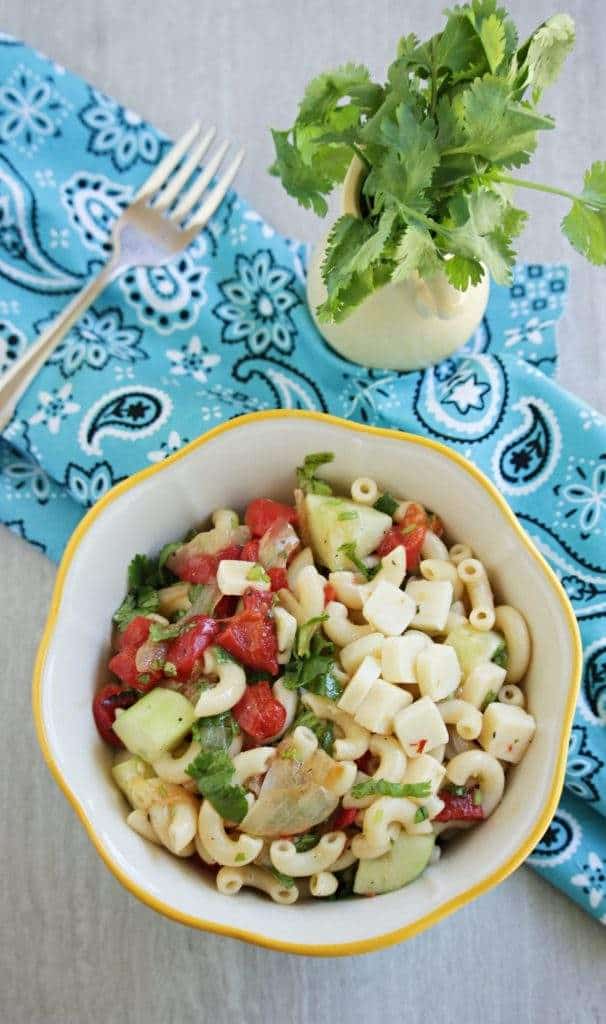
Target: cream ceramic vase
column 404, row 326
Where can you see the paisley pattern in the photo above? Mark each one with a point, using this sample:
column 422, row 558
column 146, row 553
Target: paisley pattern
column 527, row 456
column 224, row 329
column 128, row 413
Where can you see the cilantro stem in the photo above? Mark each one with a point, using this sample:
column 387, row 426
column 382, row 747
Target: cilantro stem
column 538, row 187
column 360, row 156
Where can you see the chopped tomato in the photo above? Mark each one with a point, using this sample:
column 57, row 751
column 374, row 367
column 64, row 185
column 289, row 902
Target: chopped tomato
column 344, row 817
column 185, row 652
column 459, row 808
column 259, row 713
column 202, row 568
column 251, row 637
column 105, row 704
column 124, row 665
column 262, row 512
column 135, row 633
column 257, row 600
column 330, row 593
column 279, row 579
column 412, row 542
column 250, row 551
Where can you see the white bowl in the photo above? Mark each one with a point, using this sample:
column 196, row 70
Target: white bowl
column 256, row 455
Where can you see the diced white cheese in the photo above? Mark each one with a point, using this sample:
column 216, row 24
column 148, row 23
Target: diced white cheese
column 483, row 680
column 233, row 577
column 506, row 731
column 380, row 706
column 424, row 769
column 359, row 685
column 353, row 654
column 434, row 598
column 420, row 728
column 438, row 671
column 389, row 609
column 399, row 654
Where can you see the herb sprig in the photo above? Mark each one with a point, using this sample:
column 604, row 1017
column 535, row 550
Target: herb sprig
column 437, row 141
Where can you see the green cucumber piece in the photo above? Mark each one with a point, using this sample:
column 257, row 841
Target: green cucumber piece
column 405, row 861
column 155, row 724
column 474, row 647
column 127, row 770
column 333, row 522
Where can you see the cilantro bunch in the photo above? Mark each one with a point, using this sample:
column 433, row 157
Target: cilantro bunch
column 436, row 140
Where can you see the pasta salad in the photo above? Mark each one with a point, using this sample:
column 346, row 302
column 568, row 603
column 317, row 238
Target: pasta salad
column 310, row 701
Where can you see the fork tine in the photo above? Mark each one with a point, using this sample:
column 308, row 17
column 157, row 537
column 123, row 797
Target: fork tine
column 193, row 194
column 206, row 211
column 168, row 163
column 184, row 173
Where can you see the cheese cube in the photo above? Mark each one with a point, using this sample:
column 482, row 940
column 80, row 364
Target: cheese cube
column 353, row 654
column 380, row 706
column 482, row 681
column 234, row 577
column 399, row 654
column 420, row 728
column 359, row 685
column 434, row 598
column 506, row 731
column 438, row 671
column 424, row 769
column 389, row 609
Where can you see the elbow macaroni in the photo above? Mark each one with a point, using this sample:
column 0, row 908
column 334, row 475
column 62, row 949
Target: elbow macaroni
column 473, row 574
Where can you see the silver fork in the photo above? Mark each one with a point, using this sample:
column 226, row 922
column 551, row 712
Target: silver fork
column 157, row 224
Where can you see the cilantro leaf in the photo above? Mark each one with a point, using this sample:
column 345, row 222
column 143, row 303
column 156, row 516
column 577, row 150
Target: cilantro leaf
column 306, row 842
column 286, row 880
column 349, row 549
column 300, row 180
column 585, row 224
column 159, row 632
column 543, row 55
column 501, row 656
column 212, row 771
column 142, row 572
column 386, row 503
column 380, row 787
column 315, row 671
column 415, row 251
column 305, row 634
column 216, row 732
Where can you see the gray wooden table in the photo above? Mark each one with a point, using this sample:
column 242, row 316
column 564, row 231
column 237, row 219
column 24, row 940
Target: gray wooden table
column 74, row 946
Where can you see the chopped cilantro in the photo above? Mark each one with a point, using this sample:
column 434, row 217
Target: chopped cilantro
column 289, row 754
column 421, row 815
column 306, row 474
column 306, row 842
column 169, row 549
column 284, row 880
column 386, row 503
column 380, row 787
column 490, row 698
column 213, row 771
column 305, row 634
column 477, row 797
column 142, row 597
column 314, row 671
column 350, row 551
column 222, row 657
column 501, row 655
column 456, row 790
column 216, row 732
column 158, row 631
column 170, row 670
column 347, row 514
column 240, row 857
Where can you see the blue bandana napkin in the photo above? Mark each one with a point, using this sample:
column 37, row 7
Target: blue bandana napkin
column 165, row 354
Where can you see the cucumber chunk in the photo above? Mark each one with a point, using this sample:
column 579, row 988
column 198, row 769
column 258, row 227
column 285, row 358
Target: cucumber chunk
column 127, row 770
column 155, row 724
column 404, row 862
column 474, row 647
column 333, row 522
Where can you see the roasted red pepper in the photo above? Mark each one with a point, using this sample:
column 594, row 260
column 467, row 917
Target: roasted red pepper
column 460, row 807
column 251, row 636
column 279, row 579
column 135, row 633
column 258, row 713
column 202, row 568
column 185, row 652
column 344, row 817
column 105, row 704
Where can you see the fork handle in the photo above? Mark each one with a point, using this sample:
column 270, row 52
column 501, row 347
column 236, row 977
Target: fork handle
column 16, row 381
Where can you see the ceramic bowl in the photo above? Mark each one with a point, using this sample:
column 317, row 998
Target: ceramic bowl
column 256, row 455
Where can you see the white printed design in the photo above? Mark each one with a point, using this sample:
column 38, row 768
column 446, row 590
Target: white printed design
column 93, row 204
